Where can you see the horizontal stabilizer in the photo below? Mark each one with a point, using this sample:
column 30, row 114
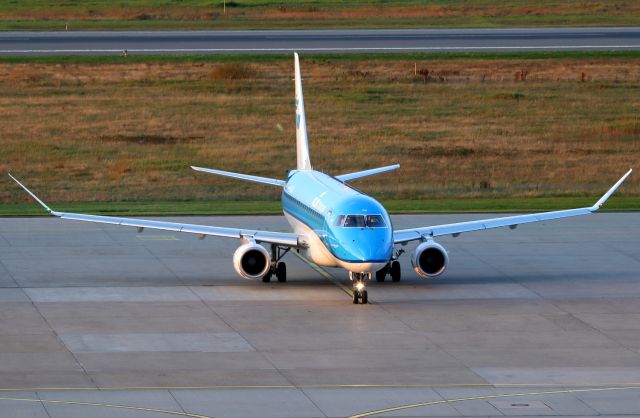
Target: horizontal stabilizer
column 247, row 177
column 365, row 173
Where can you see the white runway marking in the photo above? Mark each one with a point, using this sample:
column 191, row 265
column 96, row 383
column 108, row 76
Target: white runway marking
column 329, row 49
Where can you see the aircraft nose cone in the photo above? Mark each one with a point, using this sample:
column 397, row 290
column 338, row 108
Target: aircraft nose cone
column 372, row 250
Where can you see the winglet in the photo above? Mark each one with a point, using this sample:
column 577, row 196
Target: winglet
column 44, row 205
column 608, row 194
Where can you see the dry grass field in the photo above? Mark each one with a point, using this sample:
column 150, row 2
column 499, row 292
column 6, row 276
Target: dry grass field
column 257, row 14
column 460, row 128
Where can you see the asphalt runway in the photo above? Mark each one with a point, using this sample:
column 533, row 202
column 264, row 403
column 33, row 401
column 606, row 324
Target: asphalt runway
column 279, row 41
column 97, row 320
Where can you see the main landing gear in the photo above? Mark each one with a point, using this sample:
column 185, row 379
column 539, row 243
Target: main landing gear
column 360, row 295
column 392, row 269
column 277, row 267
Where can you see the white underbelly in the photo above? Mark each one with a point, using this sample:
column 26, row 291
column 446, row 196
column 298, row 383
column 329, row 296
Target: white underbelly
column 316, row 250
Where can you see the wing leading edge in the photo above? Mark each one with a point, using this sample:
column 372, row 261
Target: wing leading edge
column 412, row 234
column 240, row 176
column 280, row 238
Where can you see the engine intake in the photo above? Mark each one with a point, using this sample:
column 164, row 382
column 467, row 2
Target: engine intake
column 429, row 259
column 251, row 261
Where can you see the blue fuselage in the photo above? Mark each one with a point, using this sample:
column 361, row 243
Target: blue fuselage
column 354, row 227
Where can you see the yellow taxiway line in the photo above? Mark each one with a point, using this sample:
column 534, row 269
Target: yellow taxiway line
column 359, row 415
column 625, row 385
column 478, row 398
column 106, row 405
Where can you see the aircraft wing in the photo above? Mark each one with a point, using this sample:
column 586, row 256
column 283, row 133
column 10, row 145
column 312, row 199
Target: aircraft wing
column 280, row 238
column 412, row 234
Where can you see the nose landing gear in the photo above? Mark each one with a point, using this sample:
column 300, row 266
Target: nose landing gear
column 360, row 295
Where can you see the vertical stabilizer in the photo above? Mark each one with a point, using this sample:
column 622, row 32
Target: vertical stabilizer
column 302, row 142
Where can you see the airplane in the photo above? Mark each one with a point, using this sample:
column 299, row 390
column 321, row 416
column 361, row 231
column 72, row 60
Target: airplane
column 334, row 224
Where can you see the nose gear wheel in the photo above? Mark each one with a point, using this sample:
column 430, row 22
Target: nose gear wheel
column 360, row 295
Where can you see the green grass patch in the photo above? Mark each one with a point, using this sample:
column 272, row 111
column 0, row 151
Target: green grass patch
column 318, row 58
column 225, row 207
column 475, row 130
column 305, row 14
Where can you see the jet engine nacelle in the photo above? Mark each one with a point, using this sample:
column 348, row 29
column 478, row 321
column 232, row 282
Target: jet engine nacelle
column 429, row 259
column 251, row 261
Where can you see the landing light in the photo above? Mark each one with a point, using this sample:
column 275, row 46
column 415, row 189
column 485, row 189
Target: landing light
column 359, row 286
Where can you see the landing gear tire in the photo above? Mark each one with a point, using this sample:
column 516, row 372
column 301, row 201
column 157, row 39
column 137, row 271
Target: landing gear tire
column 360, row 296
column 281, row 272
column 267, row 277
column 395, row 272
column 381, row 274
column 359, row 283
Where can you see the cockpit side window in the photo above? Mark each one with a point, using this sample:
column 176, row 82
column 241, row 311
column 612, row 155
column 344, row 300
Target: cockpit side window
column 339, row 220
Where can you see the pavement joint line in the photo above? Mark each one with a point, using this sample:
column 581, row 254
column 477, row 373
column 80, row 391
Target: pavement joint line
column 306, row 395
column 513, row 280
column 402, row 320
column 263, row 355
column 325, row 274
column 44, row 406
column 496, row 413
column 173, row 396
column 105, row 405
column 485, row 397
column 160, row 260
column 4, row 267
column 602, row 333
column 61, row 341
column 5, row 240
column 327, row 49
column 628, row 385
column 361, row 415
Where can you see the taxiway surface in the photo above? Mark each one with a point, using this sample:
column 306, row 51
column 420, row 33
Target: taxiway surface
column 97, row 317
column 347, row 41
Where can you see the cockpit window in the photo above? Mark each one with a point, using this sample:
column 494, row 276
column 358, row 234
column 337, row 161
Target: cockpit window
column 360, row 221
column 354, row 221
column 375, row 221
